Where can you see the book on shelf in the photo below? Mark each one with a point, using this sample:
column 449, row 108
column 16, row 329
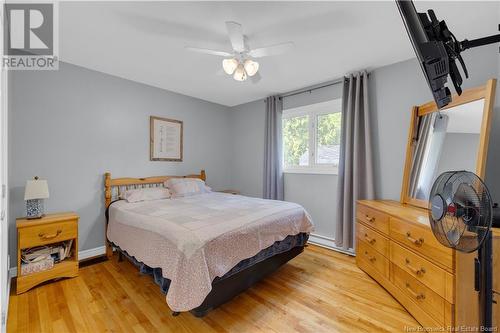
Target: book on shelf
column 40, row 258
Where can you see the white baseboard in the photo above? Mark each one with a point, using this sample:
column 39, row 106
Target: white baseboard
column 96, row 251
column 85, row 254
column 329, row 243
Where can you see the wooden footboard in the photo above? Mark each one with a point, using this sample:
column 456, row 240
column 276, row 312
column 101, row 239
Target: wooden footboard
column 114, row 186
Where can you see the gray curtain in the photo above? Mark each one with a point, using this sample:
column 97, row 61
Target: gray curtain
column 355, row 178
column 273, row 169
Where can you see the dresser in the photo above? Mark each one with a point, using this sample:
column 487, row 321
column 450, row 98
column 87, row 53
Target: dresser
column 394, row 241
column 396, row 247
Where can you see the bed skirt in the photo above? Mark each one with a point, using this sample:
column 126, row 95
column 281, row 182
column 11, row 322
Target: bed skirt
column 240, row 277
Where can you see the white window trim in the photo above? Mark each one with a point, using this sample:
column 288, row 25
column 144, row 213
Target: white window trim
column 313, row 171
column 315, row 168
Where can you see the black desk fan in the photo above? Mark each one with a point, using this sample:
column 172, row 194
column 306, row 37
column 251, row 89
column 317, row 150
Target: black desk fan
column 461, row 214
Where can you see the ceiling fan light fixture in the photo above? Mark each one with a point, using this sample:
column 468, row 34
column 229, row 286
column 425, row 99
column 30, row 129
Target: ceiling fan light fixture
column 240, row 74
column 229, row 65
column 251, row 67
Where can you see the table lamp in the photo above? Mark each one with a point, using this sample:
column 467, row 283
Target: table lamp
column 36, row 190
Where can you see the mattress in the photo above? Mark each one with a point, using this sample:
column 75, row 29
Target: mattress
column 198, row 238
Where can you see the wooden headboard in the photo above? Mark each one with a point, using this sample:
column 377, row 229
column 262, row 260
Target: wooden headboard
column 113, row 187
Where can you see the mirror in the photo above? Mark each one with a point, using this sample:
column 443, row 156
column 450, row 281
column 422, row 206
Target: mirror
column 446, row 140
column 454, row 138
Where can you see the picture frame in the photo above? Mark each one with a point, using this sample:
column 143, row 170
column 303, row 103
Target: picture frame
column 166, row 139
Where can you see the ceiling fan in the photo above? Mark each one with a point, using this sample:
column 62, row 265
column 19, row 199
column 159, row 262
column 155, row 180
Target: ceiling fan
column 239, row 63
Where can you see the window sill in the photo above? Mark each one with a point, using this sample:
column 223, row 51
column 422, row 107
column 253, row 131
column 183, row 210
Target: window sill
column 312, row 171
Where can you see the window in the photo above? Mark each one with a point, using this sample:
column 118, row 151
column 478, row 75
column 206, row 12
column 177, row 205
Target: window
column 311, row 138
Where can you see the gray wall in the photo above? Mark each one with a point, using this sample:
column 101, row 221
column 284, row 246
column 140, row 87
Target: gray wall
column 72, row 125
column 316, row 192
column 318, row 195
column 493, row 166
column 394, row 89
column 247, row 158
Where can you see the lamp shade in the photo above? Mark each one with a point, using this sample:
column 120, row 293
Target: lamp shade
column 251, row 67
column 36, row 189
column 229, row 65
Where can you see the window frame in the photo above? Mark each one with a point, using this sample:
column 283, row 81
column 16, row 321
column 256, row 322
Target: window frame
column 312, row 114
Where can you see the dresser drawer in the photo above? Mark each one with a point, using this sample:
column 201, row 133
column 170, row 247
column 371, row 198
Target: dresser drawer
column 421, row 239
column 422, row 295
column 373, row 238
column 47, row 233
column 372, row 257
column 422, row 270
column 373, row 218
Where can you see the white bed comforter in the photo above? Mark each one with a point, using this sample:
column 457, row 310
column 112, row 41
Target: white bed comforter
column 195, row 239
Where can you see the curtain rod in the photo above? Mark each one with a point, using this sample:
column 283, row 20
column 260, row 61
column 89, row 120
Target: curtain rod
column 311, row 88
column 314, row 87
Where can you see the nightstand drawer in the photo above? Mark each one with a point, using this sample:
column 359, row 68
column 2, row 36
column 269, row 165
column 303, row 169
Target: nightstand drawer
column 46, row 234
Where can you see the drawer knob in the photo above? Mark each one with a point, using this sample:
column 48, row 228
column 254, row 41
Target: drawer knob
column 45, row 236
column 418, row 296
column 370, row 218
column 418, row 272
column 371, row 258
column 417, row 242
column 370, row 240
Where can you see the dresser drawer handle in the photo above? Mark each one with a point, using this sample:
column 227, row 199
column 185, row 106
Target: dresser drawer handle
column 370, row 240
column 418, row 296
column 417, row 242
column 418, row 272
column 44, row 236
column 371, row 258
column 369, row 218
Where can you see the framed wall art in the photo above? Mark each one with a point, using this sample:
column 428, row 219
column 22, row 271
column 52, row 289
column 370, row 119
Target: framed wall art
column 165, row 139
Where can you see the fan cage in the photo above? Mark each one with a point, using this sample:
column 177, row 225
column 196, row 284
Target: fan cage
column 467, row 208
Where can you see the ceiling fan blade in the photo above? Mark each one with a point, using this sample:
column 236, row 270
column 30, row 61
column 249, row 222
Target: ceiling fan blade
column 208, row 51
column 256, row 78
column 235, row 32
column 271, row 50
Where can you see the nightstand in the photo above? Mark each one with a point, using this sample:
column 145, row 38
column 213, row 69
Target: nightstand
column 236, row 192
column 52, row 228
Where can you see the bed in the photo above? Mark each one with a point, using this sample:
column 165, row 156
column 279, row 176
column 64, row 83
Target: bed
column 204, row 249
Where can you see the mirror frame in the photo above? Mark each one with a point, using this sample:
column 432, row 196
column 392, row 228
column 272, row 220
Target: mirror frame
column 486, row 92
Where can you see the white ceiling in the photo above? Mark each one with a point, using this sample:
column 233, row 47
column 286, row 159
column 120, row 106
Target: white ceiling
column 144, row 41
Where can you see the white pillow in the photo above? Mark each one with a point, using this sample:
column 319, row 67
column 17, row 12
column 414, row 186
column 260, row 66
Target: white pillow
column 182, row 187
column 146, row 194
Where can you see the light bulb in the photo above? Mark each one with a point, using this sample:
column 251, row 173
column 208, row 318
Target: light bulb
column 240, row 74
column 251, row 67
column 229, row 65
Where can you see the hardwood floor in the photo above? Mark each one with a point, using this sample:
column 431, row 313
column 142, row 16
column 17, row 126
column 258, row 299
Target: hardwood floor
column 319, row 291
